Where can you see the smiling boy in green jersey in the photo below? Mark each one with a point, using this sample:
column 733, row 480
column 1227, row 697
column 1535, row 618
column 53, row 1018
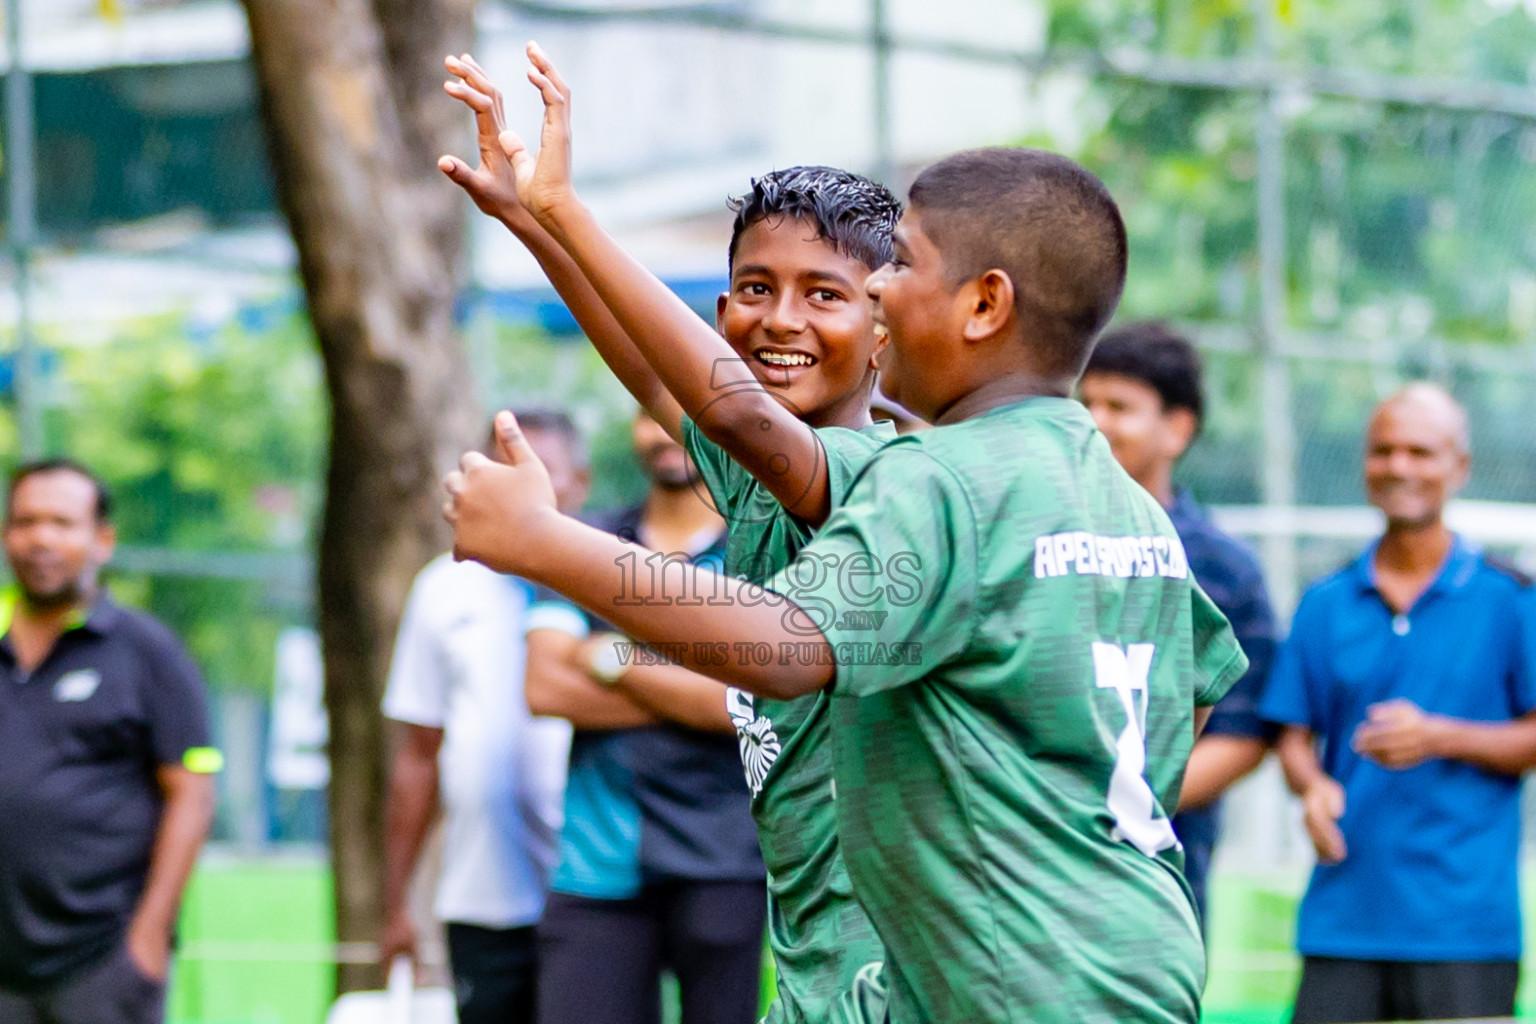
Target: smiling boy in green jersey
column 774, row 409
column 1010, row 734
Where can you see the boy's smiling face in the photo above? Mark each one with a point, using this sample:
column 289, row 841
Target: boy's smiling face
column 925, row 316
column 798, row 314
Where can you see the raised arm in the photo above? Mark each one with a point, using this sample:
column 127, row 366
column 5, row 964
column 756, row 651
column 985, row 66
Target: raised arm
column 499, row 510
column 711, row 383
column 493, row 188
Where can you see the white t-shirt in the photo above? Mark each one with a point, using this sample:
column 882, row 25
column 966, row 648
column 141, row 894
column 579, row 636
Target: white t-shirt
column 458, row 665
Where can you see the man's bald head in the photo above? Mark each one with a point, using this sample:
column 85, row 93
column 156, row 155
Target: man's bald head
column 1417, row 455
column 1433, row 405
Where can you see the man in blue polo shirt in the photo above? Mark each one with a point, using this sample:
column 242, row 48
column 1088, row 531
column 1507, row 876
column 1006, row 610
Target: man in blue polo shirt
column 1408, row 700
column 1144, row 387
column 106, row 792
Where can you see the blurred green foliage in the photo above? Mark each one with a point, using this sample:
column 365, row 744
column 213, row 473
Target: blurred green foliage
column 214, row 445
column 1406, row 227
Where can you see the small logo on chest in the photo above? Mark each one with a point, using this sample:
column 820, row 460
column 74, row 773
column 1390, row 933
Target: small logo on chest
column 73, row 687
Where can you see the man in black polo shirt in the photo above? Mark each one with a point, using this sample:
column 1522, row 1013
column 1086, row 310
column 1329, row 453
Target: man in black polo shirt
column 106, row 787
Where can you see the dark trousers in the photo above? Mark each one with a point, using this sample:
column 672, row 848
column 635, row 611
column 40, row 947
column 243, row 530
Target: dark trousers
column 1347, row 991
column 112, row 990
column 495, row 972
column 601, row 960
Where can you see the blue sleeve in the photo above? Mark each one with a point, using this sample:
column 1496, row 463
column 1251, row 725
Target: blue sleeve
column 1291, row 694
column 1523, row 681
column 1253, row 621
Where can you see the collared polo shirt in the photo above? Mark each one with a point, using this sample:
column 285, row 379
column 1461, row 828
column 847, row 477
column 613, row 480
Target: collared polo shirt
column 81, row 739
column 458, row 666
column 1432, row 850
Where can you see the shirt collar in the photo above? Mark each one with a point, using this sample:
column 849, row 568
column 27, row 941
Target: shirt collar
column 1455, row 572
column 98, row 618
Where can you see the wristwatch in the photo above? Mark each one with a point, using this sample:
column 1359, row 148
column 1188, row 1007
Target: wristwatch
column 604, row 663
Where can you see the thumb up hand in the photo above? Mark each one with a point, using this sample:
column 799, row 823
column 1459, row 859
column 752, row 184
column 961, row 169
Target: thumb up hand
column 499, row 509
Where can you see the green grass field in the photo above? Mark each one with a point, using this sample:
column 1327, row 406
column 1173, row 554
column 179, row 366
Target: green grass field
column 256, row 934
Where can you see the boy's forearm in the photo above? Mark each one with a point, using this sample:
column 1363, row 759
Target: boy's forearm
column 1214, row 765
column 717, row 636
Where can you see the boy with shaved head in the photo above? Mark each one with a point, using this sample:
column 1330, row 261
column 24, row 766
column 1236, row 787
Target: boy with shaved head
column 1408, row 701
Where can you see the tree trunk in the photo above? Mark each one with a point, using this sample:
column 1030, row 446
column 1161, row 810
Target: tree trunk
column 356, row 117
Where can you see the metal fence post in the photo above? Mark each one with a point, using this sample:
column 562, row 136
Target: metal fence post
column 1278, row 473
column 21, row 180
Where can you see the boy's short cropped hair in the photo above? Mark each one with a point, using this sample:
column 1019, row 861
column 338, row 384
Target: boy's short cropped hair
column 1156, row 355
column 852, row 213
column 1047, row 223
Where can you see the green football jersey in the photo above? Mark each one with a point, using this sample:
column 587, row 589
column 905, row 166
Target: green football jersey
column 1020, row 649
column 820, row 936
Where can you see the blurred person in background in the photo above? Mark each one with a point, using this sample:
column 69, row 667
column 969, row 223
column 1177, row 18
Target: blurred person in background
column 106, row 769
column 1145, row 388
column 1408, row 701
column 467, row 744
column 659, row 863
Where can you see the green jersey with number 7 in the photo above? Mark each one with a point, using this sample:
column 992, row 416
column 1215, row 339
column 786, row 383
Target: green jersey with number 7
column 1010, row 735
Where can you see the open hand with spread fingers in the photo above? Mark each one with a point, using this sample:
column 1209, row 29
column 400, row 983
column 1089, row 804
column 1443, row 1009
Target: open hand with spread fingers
column 544, row 182
column 492, row 185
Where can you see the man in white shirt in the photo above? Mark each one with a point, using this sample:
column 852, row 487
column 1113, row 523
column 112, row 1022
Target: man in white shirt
column 469, row 745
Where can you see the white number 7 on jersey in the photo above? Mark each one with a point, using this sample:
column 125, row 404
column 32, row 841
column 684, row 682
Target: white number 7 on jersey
column 1126, row 670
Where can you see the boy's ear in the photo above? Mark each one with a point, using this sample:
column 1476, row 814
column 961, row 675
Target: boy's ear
column 882, row 339
column 1182, row 427
column 720, row 301
column 990, row 298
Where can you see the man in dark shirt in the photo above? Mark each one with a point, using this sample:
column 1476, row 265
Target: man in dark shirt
column 106, row 787
column 1143, row 386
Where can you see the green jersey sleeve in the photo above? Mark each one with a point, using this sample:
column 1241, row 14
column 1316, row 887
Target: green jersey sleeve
column 1219, row 659
column 890, row 579
column 763, row 536
column 721, row 475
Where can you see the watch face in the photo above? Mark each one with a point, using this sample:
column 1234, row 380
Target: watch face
column 607, row 665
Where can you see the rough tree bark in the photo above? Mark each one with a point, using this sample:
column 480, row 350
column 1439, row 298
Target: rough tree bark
column 351, row 94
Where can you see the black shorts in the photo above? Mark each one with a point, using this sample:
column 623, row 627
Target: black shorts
column 1347, row 991
column 601, row 960
column 494, row 973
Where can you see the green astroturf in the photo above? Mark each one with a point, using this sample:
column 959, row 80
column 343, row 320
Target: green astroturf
column 254, row 931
